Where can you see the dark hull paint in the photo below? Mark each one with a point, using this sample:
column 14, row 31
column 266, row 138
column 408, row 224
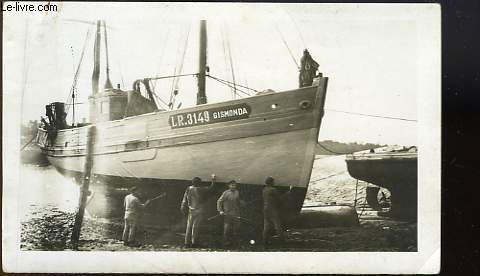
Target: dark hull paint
column 108, row 193
column 398, row 175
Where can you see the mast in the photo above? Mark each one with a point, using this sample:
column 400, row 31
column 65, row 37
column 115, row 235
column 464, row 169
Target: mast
column 202, row 66
column 96, row 61
column 75, row 78
column 108, row 83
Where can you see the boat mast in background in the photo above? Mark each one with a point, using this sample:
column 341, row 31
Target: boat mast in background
column 202, row 67
column 108, row 83
column 96, row 61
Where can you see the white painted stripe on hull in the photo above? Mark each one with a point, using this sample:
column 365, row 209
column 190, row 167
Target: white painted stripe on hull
column 288, row 157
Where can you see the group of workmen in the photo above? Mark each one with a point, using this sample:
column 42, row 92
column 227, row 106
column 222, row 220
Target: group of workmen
column 194, row 207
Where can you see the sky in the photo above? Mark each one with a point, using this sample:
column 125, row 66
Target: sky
column 375, row 56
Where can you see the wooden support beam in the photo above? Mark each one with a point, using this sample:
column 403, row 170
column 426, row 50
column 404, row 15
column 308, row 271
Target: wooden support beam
column 84, row 192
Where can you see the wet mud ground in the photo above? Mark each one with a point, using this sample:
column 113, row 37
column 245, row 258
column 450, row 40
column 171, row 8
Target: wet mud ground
column 52, row 230
column 46, row 226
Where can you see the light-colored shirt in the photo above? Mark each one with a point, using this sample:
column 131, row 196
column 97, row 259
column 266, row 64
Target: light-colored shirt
column 133, row 207
column 196, row 197
column 229, row 203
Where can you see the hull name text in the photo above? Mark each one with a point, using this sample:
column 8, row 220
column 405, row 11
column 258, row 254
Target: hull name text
column 210, row 116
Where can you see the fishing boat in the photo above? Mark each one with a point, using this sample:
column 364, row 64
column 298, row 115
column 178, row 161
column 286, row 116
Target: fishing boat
column 138, row 144
column 393, row 169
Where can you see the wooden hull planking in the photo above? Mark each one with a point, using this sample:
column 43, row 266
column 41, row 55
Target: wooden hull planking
column 277, row 138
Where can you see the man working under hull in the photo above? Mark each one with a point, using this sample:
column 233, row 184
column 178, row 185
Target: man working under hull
column 229, row 205
column 271, row 211
column 193, row 205
column 133, row 213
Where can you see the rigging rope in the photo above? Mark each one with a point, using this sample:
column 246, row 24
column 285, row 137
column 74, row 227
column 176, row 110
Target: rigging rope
column 75, row 78
column 29, row 142
column 331, row 151
column 298, row 29
column 183, row 57
column 288, row 48
column 225, row 59
column 175, row 80
column 162, row 54
column 239, row 85
column 326, row 177
column 160, row 99
column 227, row 84
column 73, row 59
column 370, row 115
column 231, row 64
column 171, row 76
column 165, row 77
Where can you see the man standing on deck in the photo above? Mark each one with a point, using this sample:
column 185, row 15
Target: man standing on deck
column 133, row 213
column 271, row 211
column 194, row 203
column 308, row 69
column 228, row 205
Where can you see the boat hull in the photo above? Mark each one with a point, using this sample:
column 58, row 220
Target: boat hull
column 275, row 135
column 396, row 172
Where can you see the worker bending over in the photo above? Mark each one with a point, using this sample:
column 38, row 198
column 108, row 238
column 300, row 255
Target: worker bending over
column 194, row 205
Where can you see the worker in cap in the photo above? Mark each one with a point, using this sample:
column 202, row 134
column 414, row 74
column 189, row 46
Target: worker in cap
column 228, row 205
column 193, row 206
column 271, row 211
column 133, row 212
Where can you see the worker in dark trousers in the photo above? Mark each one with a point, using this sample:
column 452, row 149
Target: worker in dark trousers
column 271, row 211
column 193, row 205
column 133, row 212
column 228, row 205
